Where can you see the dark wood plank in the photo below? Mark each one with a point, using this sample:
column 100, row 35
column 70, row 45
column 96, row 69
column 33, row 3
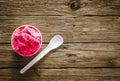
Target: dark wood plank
column 61, row 75
column 61, row 7
column 79, row 29
column 74, row 55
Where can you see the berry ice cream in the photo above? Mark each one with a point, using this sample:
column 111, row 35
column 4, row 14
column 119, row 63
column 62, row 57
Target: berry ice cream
column 26, row 40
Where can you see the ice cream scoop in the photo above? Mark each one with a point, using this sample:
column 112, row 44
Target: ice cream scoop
column 26, row 40
column 55, row 42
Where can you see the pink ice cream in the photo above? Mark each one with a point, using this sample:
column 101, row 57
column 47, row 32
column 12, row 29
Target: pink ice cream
column 26, row 40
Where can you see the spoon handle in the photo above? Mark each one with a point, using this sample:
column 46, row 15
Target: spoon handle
column 35, row 60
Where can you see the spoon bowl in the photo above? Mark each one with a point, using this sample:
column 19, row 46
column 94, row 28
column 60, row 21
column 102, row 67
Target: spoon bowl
column 55, row 42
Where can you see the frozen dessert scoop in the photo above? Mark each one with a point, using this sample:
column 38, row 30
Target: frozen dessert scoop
column 26, row 40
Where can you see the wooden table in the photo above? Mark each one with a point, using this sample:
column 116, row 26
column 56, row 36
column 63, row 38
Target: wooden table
column 91, row 31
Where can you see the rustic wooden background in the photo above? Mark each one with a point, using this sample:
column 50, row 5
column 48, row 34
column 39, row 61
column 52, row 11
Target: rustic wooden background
column 91, row 31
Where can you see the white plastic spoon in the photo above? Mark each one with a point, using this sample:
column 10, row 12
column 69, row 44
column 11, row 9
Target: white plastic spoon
column 55, row 42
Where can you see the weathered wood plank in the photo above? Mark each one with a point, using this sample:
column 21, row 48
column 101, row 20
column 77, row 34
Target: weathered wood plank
column 80, row 79
column 65, row 74
column 78, row 29
column 75, row 55
column 61, row 7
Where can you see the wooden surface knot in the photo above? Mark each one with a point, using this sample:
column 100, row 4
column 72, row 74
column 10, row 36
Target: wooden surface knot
column 74, row 4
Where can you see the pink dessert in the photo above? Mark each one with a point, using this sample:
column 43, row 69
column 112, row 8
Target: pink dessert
column 26, row 40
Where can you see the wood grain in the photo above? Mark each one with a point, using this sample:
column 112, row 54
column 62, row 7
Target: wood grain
column 37, row 74
column 77, row 55
column 61, row 7
column 79, row 29
column 90, row 28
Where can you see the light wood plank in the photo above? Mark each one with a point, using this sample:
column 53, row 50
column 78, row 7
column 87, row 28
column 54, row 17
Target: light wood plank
column 79, row 29
column 61, row 74
column 68, row 55
column 61, row 7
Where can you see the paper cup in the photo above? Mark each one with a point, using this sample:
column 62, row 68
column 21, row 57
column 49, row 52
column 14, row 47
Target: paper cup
column 26, row 40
